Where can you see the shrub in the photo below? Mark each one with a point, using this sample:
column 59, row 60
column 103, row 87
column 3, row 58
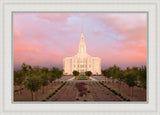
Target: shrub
column 88, row 91
column 47, row 98
column 77, row 98
column 59, row 88
column 124, row 99
column 128, row 99
column 53, row 93
column 119, row 94
column 115, row 93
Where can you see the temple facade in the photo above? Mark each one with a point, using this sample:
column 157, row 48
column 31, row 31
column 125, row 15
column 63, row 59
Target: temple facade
column 82, row 62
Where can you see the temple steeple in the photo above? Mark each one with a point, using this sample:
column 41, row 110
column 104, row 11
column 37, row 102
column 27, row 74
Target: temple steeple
column 82, row 45
column 82, row 37
column 82, row 61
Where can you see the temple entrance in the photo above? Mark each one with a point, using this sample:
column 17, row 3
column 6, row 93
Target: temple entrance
column 82, row 73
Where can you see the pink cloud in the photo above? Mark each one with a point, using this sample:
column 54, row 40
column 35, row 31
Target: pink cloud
column 54, row 16
column 98, row 32
column 133, row 27
column 46, row 38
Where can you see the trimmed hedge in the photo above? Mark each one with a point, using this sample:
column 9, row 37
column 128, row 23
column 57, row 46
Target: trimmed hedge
column 112, row 90
column 55, row 91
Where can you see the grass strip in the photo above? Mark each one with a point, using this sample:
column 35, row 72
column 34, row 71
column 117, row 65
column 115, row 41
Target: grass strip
column 47, row 98
column 112, row 90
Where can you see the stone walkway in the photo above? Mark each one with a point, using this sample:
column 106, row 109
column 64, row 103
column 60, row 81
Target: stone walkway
column 71, row 79
column 93, row 79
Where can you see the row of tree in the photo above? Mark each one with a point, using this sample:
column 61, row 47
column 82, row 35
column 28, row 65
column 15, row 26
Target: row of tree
column 131, row 76
column 35, row 78
column 87, row 73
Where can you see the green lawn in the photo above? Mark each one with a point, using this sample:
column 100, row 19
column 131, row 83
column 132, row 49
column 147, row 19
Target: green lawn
column 81, row 77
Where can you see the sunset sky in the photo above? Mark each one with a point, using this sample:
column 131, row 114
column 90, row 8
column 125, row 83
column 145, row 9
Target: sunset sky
column 44, row 39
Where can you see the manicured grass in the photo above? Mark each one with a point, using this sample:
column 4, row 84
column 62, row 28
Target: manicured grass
column 54, row 92
column 125, row 99
column 81, row 77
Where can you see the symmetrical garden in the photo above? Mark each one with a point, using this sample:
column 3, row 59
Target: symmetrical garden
column 42, row 84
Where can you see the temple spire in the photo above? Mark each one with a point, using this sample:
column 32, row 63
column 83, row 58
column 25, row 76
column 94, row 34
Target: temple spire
column 82, row 27
column 82, row 37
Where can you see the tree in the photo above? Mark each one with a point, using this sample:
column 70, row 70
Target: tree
column 44, row 70
column 143, row 76
column 36, row 70
column 130, row 79
column 33, row 83
column 52, row 77
column 107, row 73
column 19, row 79
column 120, row 77
column 75, row 73
column 113, row 71
column 56, row 72
column 44, row 81
column 24, row 69
column 88, row 73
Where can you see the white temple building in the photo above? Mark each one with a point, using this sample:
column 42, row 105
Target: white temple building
column 82, row 62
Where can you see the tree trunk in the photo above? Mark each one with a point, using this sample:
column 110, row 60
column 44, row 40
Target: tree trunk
column 35, row 96
column 131, row 91
column 32, row 95
column 46, row 88
column 20, row 89
column 113, row 82
column 43, row 89
column 119, row 86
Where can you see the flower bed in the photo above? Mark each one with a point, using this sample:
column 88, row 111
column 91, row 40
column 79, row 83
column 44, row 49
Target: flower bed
column 81, row 88
column 82, row 77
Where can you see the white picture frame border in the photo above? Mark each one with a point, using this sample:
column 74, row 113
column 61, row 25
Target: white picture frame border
column 9, row 6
